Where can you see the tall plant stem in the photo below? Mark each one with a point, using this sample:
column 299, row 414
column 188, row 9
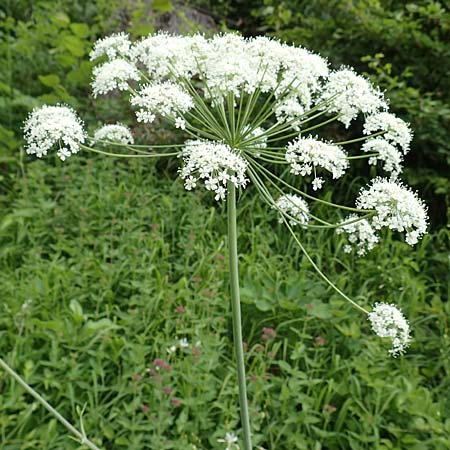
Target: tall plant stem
column 236, row 311
column 80, row 436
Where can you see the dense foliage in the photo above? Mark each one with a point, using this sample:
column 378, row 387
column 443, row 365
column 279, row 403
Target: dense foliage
column 106, row 265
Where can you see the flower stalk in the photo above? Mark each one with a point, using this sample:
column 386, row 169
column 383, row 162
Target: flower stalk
column 236, row 314
column 82, row 438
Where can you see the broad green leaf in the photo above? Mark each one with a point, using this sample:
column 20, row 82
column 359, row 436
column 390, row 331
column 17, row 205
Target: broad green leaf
column 50, row 80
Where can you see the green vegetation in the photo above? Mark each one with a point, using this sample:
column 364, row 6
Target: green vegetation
column 105, row 265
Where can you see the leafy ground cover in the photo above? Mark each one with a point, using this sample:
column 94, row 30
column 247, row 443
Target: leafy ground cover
column 106, row 266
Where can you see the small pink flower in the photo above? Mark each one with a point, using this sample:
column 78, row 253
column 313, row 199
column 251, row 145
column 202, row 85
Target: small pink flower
column 180, row 309
column 136, row 377
column 145, row 408
column 196, row 351
column 160, row 363
column 176, row 402
column 268, row 333
column 167, row 390
column 151, row 372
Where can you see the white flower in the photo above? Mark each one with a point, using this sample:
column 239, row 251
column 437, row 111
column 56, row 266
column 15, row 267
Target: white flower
column 352, row 94
column 163, row 54
column 231, row 441
column 306, row 154
column 388, row 322
column 112, row 75
column 114, row 46
column 172, row 349
column 386, row 152
column 295, row 207
column 317, row 183
column 180, row 123
column 183, row 343
column 118, row 133
column 396, row 130
column 359, row 233
column 166, row 99
column 50, row 126
column 397, row 208
column 214, row 163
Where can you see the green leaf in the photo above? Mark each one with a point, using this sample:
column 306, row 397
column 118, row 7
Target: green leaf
column 50, row 80
column 162, row 5
column 81, row 30
column 74, row 45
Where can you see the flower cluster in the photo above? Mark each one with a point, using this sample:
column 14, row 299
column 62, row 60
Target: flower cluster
column 214, row 163
column 359, row 233
column 112, row 75
column 306, row 154
column 388, row 322
column 50, row 126
column 385, row 152
column 397, row 208
column 166, row 99
column 396, row 130
column 294, row 207
column 115, row 46
column 117, row 133
column 350, row 94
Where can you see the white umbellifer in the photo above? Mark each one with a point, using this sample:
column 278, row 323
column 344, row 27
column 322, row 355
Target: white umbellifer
column 295, row 207
column 351, row 94
column 388, row 322
column 396, row 130
column 50, row 126
column 165, row 99
column 118, row 133
column 115, row 46
column 114, row 74
column 386, row 152
column 215, row 163
column 396, row 206
column 306, row 154
column 359, row 233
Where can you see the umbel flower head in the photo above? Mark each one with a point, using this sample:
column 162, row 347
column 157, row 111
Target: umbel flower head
column 388, row 322
column 293, row 207
column 244, row 110
column 396, row 207
column 54, row 126
column 117, row 133
column 213, row 163
column 306, row 154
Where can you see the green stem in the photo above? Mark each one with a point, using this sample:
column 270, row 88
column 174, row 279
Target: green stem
column 236, row 311
column 80, row 436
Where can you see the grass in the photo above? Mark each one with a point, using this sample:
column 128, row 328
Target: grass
column 106, row 265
